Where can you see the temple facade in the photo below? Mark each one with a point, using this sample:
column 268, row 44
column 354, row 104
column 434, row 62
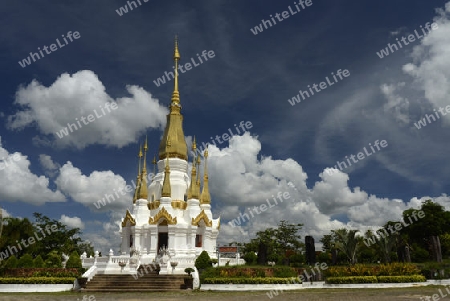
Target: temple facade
column 171, row 215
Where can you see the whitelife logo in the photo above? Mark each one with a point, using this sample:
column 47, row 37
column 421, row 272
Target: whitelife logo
column 86, row 120
column 244, row 125
column 391, row 48
column 13, row 249
column 423, row 122
column 322, row 85
column 398, row 227
column 169, row 75
column 35, row 56
column 284, row 15
column 360, row 155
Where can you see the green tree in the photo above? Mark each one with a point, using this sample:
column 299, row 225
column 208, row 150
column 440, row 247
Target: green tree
column 250, row 258
column 203, row 261
column 11, row 262
column 276, row 244
column 426, row 230
column 74, row 261
column 347, row 242
column 14, row 230
column 64, row 240
column 25, row 261
column 53, row 260
column 38, row 262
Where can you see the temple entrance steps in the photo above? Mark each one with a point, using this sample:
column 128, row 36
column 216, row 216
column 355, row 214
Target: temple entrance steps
column 146, row 281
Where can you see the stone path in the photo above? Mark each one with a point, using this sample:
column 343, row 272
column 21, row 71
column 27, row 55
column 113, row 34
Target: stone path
column 304, row 295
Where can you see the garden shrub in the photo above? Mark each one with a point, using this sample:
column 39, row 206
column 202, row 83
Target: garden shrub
column 26, row 261
column 203, row 261
column 38, row 262
column 74, row 261
column 53, row 260
column 11, row 262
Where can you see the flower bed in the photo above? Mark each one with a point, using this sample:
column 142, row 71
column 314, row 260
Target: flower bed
column 375, row 279
column 256, row 280
column 37, row 280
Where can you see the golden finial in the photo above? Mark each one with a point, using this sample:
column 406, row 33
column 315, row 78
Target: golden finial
column 176, row 58
column 194, row 145
column 175, row 147
column 176, row 54
column 166, row 189
column 206, row 196
column 138, row 178
column 143, row 191
column 154, row 166
column 140, row 153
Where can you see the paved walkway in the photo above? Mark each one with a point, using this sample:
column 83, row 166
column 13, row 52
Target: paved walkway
column 304, row 295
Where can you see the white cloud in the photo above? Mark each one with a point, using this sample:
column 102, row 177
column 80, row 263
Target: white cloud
column 431, row 67
column 18, row 183
column 90, row 189
column 72, row 222
column 51, row 168
column 396, row 105
column 72, row 97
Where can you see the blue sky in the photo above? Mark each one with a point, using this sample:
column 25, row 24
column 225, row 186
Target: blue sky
column 250, row 78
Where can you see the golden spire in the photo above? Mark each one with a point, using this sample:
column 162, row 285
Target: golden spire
column 166, row 190
column 143, row 191
column 138, row 178
column 197, row 188
column 191, row 190
column 154, row 166
column 173, row 132
column 206, row 196
column 176, row 58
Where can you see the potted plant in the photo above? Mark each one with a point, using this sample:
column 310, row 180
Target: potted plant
column 188, row 280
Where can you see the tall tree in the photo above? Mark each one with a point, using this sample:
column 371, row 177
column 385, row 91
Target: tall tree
column 426, row 230
column 347, row 243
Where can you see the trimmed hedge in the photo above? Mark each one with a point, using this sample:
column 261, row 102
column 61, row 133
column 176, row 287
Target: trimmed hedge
column 250, row 272
column 257, row 280
column 42, row 272
column 375, row 279
column 401, row 279
column 351, row 279
column 392, row 269
column 37, row 280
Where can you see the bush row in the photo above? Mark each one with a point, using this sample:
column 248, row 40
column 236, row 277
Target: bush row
column 235, row 272
column 375, row 279
column 256, row 280
column 42, row 272
column 392, row 269
column 37, row 280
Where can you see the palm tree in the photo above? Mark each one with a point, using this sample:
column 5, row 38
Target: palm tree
column 386, row 243
column 347, row 242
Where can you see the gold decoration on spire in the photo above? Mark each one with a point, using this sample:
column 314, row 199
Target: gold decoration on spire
column 163, row 214
column 193, row 171
column 138, row 178
column 173, row 144
column 154, row 166
column 198, row 188
column 201, row 216
column 206, row 196
column 166, row 189
column 128, row 218
column 143, row 191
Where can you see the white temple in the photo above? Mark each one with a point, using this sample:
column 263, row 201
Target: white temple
column 171, row 216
